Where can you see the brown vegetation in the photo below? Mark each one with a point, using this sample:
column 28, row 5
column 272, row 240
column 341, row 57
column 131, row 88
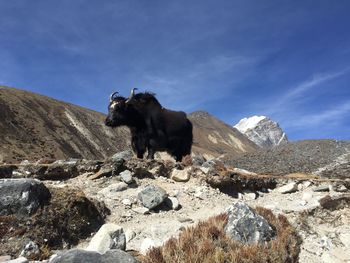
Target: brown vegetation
column 208, row 243
column 69, row 217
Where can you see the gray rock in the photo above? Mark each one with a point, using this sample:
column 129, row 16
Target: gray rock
column 109, row 236
column 125, row 155
column 341, row 188
column 152, row 196
column 288, row 188
column 30, row 250
column 82, row 256
column 126, row 177
column 129, row 235
column 321, row 188
column 244, row 225
column 22, row 196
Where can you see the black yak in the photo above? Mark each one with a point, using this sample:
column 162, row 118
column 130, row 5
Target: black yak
column 153, row 127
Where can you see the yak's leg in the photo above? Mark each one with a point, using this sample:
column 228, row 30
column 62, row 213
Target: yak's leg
column 151, row 153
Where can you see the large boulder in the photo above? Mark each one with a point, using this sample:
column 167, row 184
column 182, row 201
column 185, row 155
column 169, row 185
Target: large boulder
column 246, row 226
column 22, row 196
column 152, row 196
column 82, row 256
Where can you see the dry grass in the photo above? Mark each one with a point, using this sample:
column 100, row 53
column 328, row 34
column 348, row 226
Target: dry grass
column 207, row 243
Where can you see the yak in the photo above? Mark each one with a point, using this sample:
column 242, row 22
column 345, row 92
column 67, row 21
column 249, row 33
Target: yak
column 152, row 127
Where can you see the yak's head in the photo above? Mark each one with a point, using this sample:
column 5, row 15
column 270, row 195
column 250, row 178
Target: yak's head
column 117, row 113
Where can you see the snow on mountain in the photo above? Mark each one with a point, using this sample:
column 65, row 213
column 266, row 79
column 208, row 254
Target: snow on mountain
column 262, row 131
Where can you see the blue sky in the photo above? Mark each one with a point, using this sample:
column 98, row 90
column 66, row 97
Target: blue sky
column 289, row 60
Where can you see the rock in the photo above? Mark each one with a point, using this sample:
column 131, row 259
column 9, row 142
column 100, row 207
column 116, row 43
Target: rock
column 181, row 175
column 152, row 196
column 244, row 225
column 341, row 188
column 113, row 188
column 243, row 172
column 6, row 171
column 321, row 188
column 141, row 210
column 125, row 155
column 30, row 250
column 172, row 202
column 82, row 256
column 288, row 188
column 59, row 170
column 249, row 195
column 345, row 239
column 22, row 196
column 18, row 260
column 146, row 245
column 129, row 235
column 126, row 177
column 109, row 236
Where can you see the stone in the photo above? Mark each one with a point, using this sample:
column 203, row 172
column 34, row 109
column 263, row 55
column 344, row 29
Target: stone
column 181, row 175
column 172, row 202
column 288, row 188
column 245, row 226
column 30, row 250
column 341, row 188
column 59, row 171
column 249, row 195
column 345, row 239
column 109, row 236
column 152, row 196
column 126, row 176
column 22, row 196
column 18, row 260
column 146, row 245
column 125, row 155
column 83, row 256
column 321, row 188
column 307, row 196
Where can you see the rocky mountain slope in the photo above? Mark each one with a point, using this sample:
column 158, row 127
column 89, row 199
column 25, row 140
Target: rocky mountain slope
column 35, row 126
column 262, row 131
column 213, row 137
column 327, row 158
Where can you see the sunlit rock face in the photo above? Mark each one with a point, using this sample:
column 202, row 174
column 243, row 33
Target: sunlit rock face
column 262, row 131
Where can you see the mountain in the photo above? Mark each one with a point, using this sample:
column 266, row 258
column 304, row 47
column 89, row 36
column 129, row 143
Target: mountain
column 213, row 137
column 262, row 131
column 34, row 126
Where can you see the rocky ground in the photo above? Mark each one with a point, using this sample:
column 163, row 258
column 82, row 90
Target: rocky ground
column 319, row 208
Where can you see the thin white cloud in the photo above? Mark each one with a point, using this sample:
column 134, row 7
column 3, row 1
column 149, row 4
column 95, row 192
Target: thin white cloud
column 331, row 116
column 199, row 83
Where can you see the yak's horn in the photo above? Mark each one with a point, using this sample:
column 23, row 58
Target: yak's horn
column 132, row 94
column 112, row 95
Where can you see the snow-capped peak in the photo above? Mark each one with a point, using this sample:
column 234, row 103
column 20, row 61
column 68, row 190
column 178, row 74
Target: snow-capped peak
column 246, row 124
column 262, row 131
